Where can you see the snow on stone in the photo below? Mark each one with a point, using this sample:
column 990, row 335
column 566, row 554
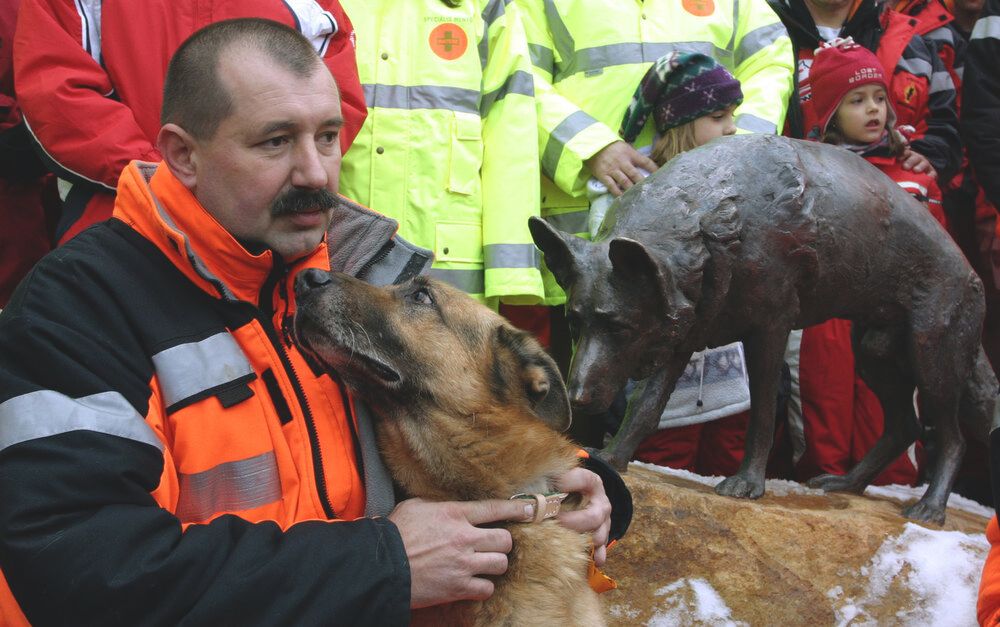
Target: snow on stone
column 940, row 569
column 903, row 493
column 692, row 602
column 777, row 487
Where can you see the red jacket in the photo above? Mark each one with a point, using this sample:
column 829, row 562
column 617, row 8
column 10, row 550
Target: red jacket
column 89, row 79
column 921, row 186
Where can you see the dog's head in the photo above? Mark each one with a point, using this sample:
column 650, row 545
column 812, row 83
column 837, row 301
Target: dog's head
column 424, row 344
column 624, row 307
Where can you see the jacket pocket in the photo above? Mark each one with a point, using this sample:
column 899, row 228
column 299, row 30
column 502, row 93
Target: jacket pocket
column 466, row 154
column 460, row 242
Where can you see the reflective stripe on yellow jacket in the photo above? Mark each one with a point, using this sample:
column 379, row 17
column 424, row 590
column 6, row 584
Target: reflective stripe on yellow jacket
column 589, row 56
column 449, row 148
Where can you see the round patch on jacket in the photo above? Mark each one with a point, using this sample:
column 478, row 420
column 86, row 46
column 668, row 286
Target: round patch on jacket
column 699, row 8
column 449, row 41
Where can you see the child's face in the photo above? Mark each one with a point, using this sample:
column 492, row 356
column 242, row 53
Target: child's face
column 861, row 114
column 715, row 124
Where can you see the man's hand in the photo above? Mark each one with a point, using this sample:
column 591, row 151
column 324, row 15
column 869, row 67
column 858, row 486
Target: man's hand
column 616, row 165
column 916, row 162
column 595, row 517
column 448, row 554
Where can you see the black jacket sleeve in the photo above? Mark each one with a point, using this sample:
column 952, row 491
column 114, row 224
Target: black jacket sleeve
column 82, row 540
column 941, row 144
column 981, row 100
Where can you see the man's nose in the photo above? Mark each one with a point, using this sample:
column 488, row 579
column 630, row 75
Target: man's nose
column 310, row 279
column 310, row 170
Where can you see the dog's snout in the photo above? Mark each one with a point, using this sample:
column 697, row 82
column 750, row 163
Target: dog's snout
column 310, row 279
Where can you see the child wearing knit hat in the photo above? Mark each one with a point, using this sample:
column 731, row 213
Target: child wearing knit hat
column 849, row 94
column 689, row 99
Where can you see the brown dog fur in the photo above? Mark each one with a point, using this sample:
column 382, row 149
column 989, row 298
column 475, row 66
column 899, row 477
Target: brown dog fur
column 467, row 408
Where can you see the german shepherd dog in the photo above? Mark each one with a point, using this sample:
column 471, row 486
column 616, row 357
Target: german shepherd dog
column 467, row 407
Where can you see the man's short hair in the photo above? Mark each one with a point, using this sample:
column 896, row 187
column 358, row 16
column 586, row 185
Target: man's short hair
column 194, row 95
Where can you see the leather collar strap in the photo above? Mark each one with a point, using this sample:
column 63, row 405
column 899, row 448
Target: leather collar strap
column 546, row 505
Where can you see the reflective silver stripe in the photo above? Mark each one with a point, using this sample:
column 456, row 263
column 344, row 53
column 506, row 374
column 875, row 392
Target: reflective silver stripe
column 941, row 81
column 493, row 11
column 560, row 136
column 189, row 369
column 754, row 124
column 46, row 413
column 960, row 72
column 196, row 262
column 469, row 281
column 314, row 22
column 520, row 82
column 561, row 39
column 511, row 256
column 542, row 57
column 600, row 57
column 571, row 222
column 987, row 28
column 90, row 27
column 758, row 39
column 229, row 487
column 422, row 97
column 917, row 67
column 39, row 143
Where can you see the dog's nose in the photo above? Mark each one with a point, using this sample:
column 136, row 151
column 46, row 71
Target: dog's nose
column 310, row 279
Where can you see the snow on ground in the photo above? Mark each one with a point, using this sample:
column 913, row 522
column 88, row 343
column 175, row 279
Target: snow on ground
column 904, row 493
column 941, row 569
column 777, row 487
column 692, row 602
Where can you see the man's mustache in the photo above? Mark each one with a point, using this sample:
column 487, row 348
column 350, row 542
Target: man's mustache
column 302, row 201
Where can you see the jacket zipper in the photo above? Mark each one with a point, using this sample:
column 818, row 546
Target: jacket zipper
column 265, row 314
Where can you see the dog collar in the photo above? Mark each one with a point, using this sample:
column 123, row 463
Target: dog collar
column 546, row 505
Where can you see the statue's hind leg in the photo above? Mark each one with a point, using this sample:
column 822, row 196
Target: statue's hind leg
column 879, row 358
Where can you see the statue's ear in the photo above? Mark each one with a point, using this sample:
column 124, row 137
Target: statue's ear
column 537, row 375
column 632, row 259
column 561, row 250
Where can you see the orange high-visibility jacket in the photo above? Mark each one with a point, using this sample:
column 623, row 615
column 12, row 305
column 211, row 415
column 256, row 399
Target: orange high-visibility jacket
column 167, row 455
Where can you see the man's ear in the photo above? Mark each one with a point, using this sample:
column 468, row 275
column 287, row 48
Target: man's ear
column 178, row 148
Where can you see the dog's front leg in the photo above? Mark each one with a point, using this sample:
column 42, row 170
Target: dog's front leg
column 643, row 414
column 764, row 353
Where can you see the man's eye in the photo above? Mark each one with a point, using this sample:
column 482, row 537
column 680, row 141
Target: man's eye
column 328, row 138
column 275, row 142
column 422, row 297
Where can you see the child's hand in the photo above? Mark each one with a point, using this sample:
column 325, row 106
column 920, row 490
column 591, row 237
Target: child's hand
column 916, row 162
column 617, row 166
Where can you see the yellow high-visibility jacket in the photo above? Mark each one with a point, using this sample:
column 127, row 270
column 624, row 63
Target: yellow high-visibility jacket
column 588, row 57
column 449, row 148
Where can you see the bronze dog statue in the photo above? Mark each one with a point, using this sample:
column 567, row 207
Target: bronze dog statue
column 747, row 238
column 467, row 407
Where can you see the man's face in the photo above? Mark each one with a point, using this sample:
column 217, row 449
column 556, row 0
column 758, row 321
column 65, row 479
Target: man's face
column 270, row 172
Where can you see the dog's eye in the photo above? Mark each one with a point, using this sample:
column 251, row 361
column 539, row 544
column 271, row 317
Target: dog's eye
column 422, row 297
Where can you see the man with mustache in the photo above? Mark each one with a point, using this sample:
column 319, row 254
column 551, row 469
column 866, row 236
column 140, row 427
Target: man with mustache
column 167, row 455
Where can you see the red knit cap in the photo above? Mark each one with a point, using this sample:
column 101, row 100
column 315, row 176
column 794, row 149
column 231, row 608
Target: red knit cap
column 836, row 70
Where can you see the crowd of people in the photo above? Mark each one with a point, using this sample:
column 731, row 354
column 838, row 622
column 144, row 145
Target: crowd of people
column 453, row 122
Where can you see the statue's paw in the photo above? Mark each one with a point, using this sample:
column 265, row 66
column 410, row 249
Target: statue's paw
column 835, row 483
column 741, row 486
column 925, row 512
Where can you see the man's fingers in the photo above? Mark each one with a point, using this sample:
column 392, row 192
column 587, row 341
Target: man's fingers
column 611, row 185
column 478, row 589
column 496, row 510
column 489, row 563
column 600, row 555
column 492, row 540
column 592, row 520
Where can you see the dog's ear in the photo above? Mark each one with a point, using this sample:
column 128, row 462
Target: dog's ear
column 560, row 250
column 538, row 376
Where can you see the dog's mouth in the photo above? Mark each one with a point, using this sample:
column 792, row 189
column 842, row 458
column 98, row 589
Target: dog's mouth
column 340, row 354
